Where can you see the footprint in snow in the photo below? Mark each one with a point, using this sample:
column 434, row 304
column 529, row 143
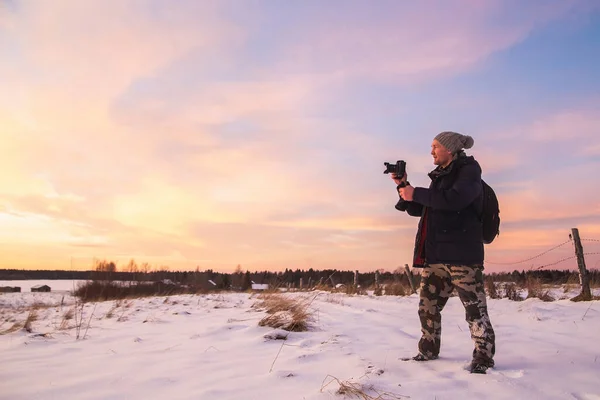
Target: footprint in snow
column 516, row 373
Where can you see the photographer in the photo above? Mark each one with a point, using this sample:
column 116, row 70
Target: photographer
column 449, row 246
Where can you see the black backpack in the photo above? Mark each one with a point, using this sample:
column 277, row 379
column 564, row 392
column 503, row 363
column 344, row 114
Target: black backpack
column 490, row 214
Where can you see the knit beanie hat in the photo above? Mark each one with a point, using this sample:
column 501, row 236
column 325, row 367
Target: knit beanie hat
column 454, row 141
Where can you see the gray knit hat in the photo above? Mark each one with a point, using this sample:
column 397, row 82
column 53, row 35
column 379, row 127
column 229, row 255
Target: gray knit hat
column 454, row 141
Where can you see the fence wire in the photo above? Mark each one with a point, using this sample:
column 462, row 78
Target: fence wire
column 555, row 262
column 531, row 258
column 564, row 259
column 589, row 240
column 548, row 251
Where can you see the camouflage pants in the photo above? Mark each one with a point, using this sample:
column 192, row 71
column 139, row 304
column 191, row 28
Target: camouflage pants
column 438, row 281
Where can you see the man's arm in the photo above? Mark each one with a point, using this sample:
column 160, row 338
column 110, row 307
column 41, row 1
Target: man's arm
column 411, row 208
column 465, row 190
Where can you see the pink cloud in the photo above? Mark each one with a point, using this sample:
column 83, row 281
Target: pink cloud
column 126, row 39
column 572, row 130
column 417, row 41
column 570, row 125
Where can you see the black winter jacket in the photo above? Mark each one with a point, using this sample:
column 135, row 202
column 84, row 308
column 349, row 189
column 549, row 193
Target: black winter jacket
column 450, row 231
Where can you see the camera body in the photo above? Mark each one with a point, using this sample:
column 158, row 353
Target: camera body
column 399, row 168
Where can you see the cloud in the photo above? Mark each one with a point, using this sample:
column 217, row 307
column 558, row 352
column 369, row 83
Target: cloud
column 567, row 126
column 553, row 140
column 127, row 40
column 410, row 42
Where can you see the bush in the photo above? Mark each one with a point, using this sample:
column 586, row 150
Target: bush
column 351, row 289
column 111, row 290
column 284, row 313
column 397, row 289
column 491, row 289
column 512, row 292
column 536, row 290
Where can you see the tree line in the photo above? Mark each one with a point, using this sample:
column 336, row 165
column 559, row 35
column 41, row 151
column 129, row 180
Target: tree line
column 242, row 280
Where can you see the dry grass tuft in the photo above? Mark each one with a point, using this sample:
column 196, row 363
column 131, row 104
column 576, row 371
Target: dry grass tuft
column 284, row 313
column 31, row 318
column 490, row 288
column 353, row 290
column 15, row 327
column 359, row 390
column 397, row 289
column 535, row 289
column 67, row 316
column 112, row 310
column 334, row 298
column 512, row 292
column 38, row 304
column 108, row 290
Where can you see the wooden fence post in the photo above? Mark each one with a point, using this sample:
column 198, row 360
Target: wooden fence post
column 586, row 294
column 410, row 278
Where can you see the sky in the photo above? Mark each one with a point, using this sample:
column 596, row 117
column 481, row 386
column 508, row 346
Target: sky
column 214, row 134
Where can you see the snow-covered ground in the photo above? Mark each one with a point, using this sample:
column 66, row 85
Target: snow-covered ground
column 211, row 347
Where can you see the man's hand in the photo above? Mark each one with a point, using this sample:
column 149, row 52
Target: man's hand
column 407, row 192
column 399, row 180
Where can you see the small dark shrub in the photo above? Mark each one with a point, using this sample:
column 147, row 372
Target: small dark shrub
column 512, row 292
column 111, row 290
column 536, row 290
column 491, row 289
column 396, row 289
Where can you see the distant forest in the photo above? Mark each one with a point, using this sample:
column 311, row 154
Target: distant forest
column 241, row 280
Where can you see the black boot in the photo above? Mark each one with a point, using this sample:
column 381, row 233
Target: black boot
column 481, row 367
column 423, row 357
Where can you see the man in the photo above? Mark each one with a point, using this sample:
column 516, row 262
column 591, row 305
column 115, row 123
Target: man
column 449, row 246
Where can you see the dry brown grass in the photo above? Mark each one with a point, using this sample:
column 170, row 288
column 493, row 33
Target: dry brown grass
column 353, row 290
column 490, row 288
column 535, row 289
column 292, row 315
column 512, row 292
column 572, row 283
column 31, row 318
column 112, row 310
column 360, row 391
column 283, row 312
column 108, row 290
column 27, row 325
column 397, row 289
column 67, row 316
column 15, row 327
column 335, row 298
column 321, row 287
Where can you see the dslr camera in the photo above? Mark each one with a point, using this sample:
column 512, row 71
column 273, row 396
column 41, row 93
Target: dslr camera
column 399, row 168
